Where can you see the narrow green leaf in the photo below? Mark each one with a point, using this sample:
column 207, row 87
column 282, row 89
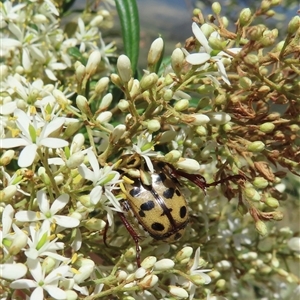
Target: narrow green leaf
column 129, row 18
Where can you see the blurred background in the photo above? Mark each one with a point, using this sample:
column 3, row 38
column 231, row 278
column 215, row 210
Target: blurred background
column 172, row 19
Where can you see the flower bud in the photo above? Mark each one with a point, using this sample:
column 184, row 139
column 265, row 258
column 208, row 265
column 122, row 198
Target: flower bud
column 75, row 160
column 264, row 89
column 140, row 273
column 101, row 85
column 272, row 202
column 201, row 131
column 294, row 244
column 267, row 127
column 7, row 193
column 96, row 21
column 60, row 97
column 245, row 17
column 182, row 105
column 148, row 81
column 251, row 59
column 256, row 146
column 117, row 133
column 216, row 44
column 48, row 264
column 116, row 80
column 124, row 68
column 216, row 8
column 164, row 264
column 265, row 5
column 168, row 95
column 260, row 182
column 135, row 89
column 6, row 157
column 155, row 51
column 178, row 291
column 195, row 119
column 224, row 265
column 123, row 105
column 177, row 60
column 184, row 255
column 92, row 63
column 220, row 284
column 245, row 82
column 261, row 227
column 149, row 262
column 294, row 25
column 44, row 176
column 252, row 194
column 77, row 143
column 188, row 164
column 121, row 275
column 83, row 105
column 19, row 241
column 173, row 156
column 106, row 101
column 218, row 118
column 85, row 201
column 149, row 281
column 153, row 125
column 104, row 117
column 79, row 71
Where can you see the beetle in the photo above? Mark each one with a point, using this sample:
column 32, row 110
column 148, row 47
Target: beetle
column 155, row 200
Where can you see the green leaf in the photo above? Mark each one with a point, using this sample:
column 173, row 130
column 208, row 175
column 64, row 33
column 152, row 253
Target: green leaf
column 129, row 18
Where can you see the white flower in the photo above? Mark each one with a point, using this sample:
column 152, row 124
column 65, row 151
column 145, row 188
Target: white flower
column 49, row 213
column 145, row 148
column 104, row 181
column 194, row 270
column 206, row 53
column 32, row 138
column 39, row 243
column 41, row 282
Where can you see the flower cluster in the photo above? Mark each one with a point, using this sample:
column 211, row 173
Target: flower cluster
column 73, row 121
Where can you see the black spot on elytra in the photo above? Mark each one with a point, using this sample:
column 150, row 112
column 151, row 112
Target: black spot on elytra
column 177, row 236
column 157, row 226
column 169, row 193
column 182, row 212
column 134, row 192
column 147, row 205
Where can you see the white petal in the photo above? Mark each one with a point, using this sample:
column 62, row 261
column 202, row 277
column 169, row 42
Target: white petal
column 197, row 58
column 37, row 294
column 7, row 217
column 222, row 71
column 27, row 216
column 53, row 126
column 96, row 194
column 54, row 143
column 201, row 37
column 12, row 271
column 86, row 173
column 57, row 273
column 42, row 201
column 59, row 203
column 23, row 284
column 27, row 156
column 56, row 292
column 12, row 143
column 50, row 74
column 66, row 222
column 93, row 161
column 35, row 269
column 8, row 108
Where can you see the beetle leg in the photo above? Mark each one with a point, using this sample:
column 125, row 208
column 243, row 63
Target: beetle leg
column 105, row 234
column 134, row 235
